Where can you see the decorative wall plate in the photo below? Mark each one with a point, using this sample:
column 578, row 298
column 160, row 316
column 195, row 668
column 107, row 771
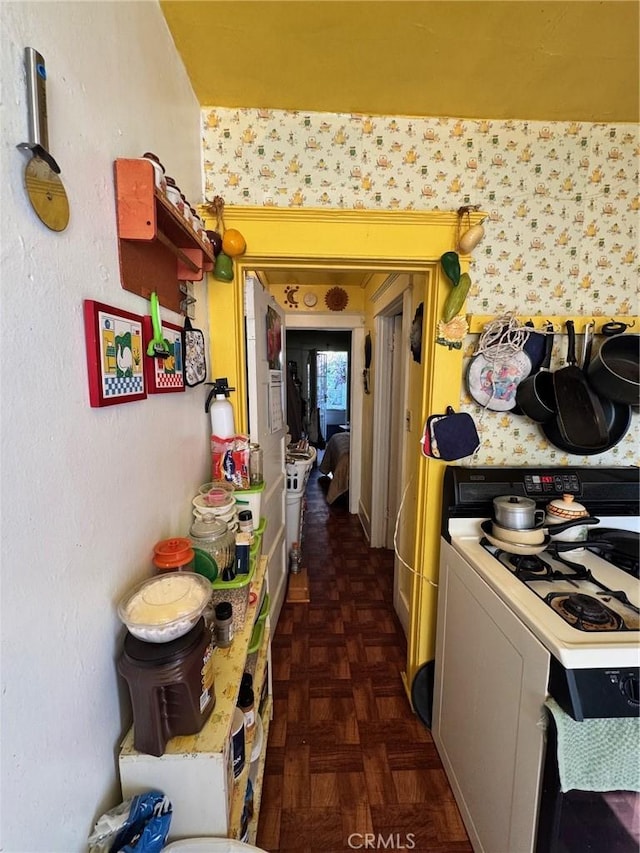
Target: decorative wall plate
column 336, row 299
column 310, row 299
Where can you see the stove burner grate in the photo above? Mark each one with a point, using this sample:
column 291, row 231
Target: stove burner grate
column 526, row 567
column 585, row 612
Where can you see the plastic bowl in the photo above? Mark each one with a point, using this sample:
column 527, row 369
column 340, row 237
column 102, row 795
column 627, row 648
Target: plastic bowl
column 216, row 484
column 165, row 607
column 203, row 507
column 216, row 497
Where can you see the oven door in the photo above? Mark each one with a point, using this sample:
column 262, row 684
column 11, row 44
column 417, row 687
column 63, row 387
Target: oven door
column 584, row 821
column 491, row 679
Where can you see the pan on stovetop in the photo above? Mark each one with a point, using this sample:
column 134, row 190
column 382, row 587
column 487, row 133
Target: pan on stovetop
column 620, row 547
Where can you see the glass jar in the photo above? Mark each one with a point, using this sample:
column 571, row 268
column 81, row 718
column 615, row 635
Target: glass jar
column 213, row 536
column 255, row 464
column 158, row 170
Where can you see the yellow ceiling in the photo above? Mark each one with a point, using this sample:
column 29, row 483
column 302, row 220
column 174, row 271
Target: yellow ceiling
column 520, row 60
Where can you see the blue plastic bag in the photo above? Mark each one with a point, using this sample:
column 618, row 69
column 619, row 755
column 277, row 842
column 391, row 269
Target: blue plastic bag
column 139, row 825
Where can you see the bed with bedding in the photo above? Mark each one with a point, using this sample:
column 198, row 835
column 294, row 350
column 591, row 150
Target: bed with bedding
column 335, row 463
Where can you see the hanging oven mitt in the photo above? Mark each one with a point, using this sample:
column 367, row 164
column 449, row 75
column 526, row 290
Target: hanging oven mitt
column 450, row 436
column 195, row 365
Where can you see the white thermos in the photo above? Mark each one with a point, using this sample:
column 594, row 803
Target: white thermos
column 220, row 409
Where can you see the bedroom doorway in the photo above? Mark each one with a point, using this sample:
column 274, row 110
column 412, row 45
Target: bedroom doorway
column 321, row 360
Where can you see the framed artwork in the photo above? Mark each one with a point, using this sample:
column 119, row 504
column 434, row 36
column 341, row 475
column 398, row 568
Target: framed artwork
column 164, row 375
column 114, row 349
column 274, row 339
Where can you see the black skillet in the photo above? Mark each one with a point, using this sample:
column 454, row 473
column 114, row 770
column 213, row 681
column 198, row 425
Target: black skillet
column 617, row 418
column 580, row 420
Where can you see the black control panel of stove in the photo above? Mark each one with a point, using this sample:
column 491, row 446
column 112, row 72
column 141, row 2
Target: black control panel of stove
column 468, row 492
column 537, row 485
column 589, row 693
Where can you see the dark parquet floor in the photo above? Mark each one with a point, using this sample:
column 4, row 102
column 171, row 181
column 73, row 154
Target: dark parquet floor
column 348, row 766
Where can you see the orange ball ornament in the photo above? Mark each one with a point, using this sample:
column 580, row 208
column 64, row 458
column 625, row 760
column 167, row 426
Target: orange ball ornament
column 233, row 243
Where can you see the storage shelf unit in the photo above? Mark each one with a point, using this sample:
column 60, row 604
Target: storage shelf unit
column 158, row 248
column 196, row 771
column 257, row 791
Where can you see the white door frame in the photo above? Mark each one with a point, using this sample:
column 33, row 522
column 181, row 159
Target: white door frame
column 355, row 324
column 384, row 326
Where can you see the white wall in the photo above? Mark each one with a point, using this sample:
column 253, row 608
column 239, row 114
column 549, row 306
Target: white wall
column 85, row 492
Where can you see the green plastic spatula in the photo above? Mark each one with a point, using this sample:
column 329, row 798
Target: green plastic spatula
column 158, row 347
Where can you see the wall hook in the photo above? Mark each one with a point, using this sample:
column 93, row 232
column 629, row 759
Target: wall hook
column 187, row 301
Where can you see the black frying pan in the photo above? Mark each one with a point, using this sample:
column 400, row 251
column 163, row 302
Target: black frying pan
column 535, row 395
column 615, row 371
column 617, row 419
column 579, row 417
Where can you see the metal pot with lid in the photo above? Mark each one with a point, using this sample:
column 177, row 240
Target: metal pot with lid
column 516, row 513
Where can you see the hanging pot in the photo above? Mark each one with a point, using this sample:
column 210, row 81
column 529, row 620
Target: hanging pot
column 535, row 395
column 615, row 370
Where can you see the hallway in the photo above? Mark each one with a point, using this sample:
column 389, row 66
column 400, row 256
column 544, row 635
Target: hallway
column 346, row 757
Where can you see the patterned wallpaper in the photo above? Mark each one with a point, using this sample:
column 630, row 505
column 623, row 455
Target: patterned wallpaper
column 562, row 199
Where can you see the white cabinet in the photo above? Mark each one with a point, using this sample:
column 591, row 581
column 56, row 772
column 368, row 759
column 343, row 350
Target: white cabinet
column 490, row 685
column 195, row 771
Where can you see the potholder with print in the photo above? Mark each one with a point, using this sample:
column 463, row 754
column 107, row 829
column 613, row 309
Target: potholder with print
column 195, row 362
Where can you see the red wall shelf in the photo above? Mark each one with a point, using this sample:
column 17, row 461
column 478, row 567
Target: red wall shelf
column 158, row 249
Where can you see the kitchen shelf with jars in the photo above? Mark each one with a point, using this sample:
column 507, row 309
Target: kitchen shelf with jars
column 161, row 240
column 196, row 771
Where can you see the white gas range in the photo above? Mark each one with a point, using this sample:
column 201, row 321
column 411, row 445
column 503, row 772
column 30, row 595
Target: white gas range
column 510, row 633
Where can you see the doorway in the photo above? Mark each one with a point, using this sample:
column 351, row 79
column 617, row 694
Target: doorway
column 386, row 241
column 321, row 361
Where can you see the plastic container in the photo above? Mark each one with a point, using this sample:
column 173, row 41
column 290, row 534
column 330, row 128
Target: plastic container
column 298, row 470
column 255, row 643
column 293, row 507
column 174, row 555
column 223, row 624
column 256, row 749
column 295, row 558
column 225, row 485
column 182, row 670
column 165, row 607
column 238, row 742
column 210, row 845
column 204, row 564
column 246, row 703
column 245, row 522
column 250, row 499
column 256, row 546
column 204, row 509
column 236, row 592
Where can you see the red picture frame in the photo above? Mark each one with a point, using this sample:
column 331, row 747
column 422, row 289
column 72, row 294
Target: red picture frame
column 164, row 375
column 114, row 348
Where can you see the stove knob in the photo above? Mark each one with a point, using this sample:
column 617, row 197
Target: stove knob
column 630, row 689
